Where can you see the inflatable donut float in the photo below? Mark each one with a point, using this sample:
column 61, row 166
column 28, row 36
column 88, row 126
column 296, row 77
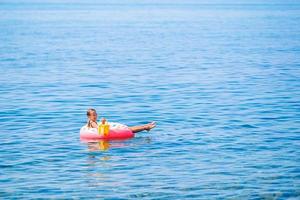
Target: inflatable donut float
column 116, row 132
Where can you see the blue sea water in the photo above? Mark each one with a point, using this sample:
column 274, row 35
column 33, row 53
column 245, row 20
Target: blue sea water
column 221, row 79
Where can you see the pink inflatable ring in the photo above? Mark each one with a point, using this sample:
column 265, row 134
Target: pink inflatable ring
column 120, row 133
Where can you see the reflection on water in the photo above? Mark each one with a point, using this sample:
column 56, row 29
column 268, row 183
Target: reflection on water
column 105, row 145
column 102, row 145
column 106, row 166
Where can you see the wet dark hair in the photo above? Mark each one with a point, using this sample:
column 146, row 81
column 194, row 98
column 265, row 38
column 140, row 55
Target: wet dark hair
column 88, row 112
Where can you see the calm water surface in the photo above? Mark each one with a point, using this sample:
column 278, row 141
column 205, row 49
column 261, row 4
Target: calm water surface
column 221, row 80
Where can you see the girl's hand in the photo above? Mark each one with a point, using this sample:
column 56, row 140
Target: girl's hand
column 94, row 125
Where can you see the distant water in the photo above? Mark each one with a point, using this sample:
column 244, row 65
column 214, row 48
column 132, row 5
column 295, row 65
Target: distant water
column 221, row 80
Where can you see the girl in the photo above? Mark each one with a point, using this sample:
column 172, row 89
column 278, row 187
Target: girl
column 92, row 123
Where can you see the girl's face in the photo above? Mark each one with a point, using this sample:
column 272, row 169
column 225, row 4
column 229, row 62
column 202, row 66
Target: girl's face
column 93, row 116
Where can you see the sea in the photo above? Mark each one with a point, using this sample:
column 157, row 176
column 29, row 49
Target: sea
column 220, row 78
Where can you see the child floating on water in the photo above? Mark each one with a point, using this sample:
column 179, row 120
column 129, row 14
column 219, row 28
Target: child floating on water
column 92, row 123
